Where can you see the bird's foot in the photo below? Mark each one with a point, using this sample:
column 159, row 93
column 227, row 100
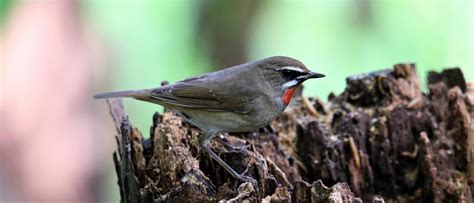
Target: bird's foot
column 248, row 179
column 234, row 148
column 243, row 148
column 245, row 178
column 239, row 176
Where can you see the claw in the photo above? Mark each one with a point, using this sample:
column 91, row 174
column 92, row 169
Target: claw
column 245, row 178
column 243, row 148
column 251, row 180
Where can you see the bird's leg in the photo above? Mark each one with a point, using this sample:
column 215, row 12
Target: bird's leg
column 242, row 177
column 204, row 141
column 243, row 148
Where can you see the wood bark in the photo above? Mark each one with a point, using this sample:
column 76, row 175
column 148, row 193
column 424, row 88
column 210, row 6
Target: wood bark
column 382, row 139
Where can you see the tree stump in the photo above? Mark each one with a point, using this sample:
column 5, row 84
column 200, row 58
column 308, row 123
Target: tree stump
column 381, row 139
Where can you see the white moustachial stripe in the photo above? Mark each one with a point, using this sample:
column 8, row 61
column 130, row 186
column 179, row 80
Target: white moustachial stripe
column 289, row 84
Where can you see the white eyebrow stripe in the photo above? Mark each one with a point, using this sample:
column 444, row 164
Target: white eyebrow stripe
column 297, row 69
column 289, row 84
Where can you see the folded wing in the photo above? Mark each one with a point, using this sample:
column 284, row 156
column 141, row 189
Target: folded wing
column 208, row 94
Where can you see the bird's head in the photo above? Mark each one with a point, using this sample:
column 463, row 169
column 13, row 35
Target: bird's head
column 284, row 74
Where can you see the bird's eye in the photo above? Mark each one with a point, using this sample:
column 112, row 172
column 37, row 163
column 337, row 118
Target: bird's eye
column 289, row 74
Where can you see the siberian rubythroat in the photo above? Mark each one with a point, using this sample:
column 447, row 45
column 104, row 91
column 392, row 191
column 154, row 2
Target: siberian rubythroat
column 237, row 99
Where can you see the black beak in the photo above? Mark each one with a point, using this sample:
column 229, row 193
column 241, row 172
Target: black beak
column 310, row 75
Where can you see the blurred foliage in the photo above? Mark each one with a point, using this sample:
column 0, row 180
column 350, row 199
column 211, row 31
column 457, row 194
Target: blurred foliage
column 4, row 6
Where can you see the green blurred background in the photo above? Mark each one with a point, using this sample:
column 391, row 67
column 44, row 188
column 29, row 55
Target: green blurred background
column 145, row 42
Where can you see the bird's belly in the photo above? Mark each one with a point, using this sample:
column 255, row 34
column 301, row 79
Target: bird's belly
column 225, row 121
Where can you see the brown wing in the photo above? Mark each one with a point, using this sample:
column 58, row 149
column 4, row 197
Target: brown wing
column 209, row 93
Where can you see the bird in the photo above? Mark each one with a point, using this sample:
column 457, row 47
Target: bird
column 240, row 98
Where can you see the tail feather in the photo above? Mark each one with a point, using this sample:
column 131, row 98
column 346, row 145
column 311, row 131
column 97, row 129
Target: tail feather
column 127, row 93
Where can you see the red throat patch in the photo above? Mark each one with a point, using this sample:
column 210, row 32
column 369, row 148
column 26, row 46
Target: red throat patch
column 287, row 95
